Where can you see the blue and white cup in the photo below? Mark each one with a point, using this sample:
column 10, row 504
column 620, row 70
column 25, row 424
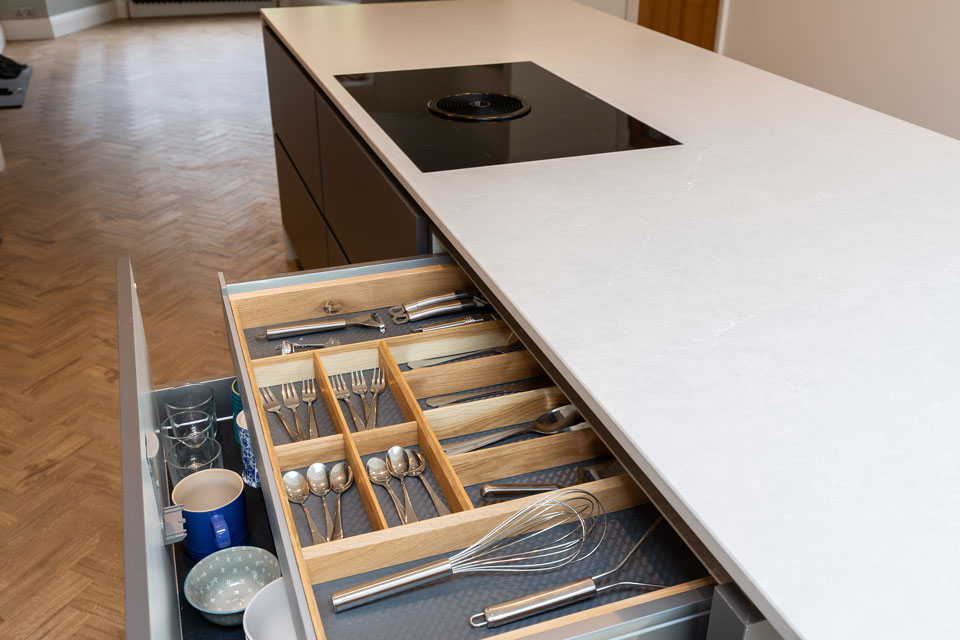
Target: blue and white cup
column 214, row 510
column 250, row 474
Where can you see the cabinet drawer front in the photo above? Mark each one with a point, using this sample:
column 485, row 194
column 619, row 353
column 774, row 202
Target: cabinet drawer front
column 375, row 542
column 370, row 217
column 293, row 110
column 151, row 605
column 301, row 219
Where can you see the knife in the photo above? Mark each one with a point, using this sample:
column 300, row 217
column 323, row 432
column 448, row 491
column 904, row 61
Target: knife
column 452, row 398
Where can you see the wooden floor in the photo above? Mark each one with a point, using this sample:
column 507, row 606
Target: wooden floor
column 148, row 139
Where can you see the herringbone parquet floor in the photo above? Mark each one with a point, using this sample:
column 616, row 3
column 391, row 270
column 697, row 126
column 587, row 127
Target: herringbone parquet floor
column 149, row 139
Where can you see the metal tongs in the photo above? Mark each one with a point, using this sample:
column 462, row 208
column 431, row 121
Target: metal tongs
column 373, row 321
column 559, row 596
column 439, row 305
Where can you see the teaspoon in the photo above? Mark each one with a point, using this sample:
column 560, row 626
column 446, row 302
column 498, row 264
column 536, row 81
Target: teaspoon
column 417, row 465
column 297, row 492
column 341, row 479
column 320, row 485
column 377, row 470
column 398, row 465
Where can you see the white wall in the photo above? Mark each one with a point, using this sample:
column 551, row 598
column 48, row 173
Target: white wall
column 901, row 57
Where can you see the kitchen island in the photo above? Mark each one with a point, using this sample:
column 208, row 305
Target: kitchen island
column 763, row 317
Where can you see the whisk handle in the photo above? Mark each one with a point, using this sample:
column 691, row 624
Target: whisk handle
column 390, row 585
column 534, row 603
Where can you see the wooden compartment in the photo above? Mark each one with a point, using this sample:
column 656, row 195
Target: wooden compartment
column 383, row 542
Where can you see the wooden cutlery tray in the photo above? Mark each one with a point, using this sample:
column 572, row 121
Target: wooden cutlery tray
column 374, row 541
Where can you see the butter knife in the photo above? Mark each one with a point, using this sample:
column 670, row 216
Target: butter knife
column 452, row 398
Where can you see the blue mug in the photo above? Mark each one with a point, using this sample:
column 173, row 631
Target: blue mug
column 214, row 510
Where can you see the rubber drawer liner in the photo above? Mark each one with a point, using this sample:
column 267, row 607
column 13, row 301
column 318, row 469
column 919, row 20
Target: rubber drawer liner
column 441, row 610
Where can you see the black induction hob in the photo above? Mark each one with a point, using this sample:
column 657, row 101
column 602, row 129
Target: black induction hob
column 458, row 117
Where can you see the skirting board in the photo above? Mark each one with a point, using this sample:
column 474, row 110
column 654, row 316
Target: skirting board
column 60, row 24
column 164, row 9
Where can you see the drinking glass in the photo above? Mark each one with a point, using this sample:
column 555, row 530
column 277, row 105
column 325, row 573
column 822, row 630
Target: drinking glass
column 189, row 397
column 183, row 459
column 189, row 427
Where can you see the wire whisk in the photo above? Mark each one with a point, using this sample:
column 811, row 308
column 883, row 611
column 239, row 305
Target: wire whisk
column 556, row 530
column 561, row 595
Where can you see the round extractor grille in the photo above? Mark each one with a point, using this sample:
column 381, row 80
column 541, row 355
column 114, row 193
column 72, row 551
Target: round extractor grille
column 479, row 107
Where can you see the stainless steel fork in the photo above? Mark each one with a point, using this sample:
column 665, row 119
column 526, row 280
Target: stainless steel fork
column 308, row 392
column 343, row 393
column 271, row 404
column 377, row 386
column 291, row 401
column 359, row 385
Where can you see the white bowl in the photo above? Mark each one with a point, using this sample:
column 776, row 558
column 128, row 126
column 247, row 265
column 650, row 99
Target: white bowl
column 222, row 585
column 268, row 614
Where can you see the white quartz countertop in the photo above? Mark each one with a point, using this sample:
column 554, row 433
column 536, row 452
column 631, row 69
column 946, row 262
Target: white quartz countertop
column 766, row 317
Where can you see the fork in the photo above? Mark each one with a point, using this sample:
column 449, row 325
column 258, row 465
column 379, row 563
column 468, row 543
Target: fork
column 343, row 393
column 291, row 401
column 308, row 392
column 359, row 386
column 271, row 404
column 377, row 385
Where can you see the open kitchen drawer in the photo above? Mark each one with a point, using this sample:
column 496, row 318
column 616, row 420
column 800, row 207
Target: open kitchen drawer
column 375, row 543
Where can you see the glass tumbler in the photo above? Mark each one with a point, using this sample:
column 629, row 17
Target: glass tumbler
column 183, row 459
column 188, row 427
column 189, row 397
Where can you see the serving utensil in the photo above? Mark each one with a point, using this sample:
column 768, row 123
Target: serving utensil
column 559, row 596
column 547, row 534
column 549, row 423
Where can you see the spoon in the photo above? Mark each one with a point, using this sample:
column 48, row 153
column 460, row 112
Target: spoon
column 297, row 492
column 417, row 465
column 549, row 423
column 341, row 479
column 398, row 464
column 320, row 485
column 377, row 470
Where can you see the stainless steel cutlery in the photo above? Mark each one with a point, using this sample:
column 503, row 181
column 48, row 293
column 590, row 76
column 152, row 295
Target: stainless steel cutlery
column 378, row 385
column 342, row 392
column 358, row 385
column 561, row 595
column 308, row 391
column 453, row 398
column 402, row 463
column 429, row 362
column 371, row 320
column 555, row 421
column 271, row 404
column 291, row 402
column 459, row 322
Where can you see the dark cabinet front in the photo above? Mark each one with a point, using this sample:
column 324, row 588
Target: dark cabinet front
column 369, row 213
column 338, row 203
column 302, row 219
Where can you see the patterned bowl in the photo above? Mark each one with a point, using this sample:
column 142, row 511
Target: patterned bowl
column 221, row 585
